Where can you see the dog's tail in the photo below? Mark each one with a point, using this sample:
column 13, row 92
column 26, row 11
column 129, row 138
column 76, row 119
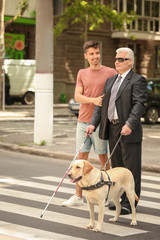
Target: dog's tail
column 136, row 197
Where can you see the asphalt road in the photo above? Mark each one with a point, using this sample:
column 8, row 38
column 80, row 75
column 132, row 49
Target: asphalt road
column 26, row 184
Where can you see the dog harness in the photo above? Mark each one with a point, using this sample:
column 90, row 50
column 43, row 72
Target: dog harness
column 101, row 184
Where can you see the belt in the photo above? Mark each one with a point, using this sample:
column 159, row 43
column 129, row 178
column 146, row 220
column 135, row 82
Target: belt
column 114, row 121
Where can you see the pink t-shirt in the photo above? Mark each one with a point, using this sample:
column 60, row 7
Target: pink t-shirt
column 92, row 81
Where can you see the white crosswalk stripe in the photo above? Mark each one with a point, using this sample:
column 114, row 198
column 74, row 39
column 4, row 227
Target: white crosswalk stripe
column 24, row 233
column 13, row 188
column 58, row 201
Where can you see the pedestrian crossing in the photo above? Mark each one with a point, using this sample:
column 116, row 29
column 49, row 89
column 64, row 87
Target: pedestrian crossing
column 23, row 200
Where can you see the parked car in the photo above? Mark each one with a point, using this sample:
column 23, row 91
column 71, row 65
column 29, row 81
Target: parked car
column 152, row 107
column 73, row 107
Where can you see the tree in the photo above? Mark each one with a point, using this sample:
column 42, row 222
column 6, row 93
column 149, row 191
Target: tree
column 92, row 14
column 22, row 6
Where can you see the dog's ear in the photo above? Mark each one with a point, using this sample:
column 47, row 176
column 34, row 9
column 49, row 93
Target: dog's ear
column 87, row 167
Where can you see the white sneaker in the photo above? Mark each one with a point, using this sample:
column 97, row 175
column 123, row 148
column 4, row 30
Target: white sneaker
column 73, row 201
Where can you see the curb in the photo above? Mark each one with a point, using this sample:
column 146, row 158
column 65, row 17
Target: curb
column 41, row 152
column 9, row 116
column 62, row 156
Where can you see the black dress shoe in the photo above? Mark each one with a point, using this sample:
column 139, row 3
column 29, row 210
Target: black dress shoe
column 125, row 211
column 111, row 206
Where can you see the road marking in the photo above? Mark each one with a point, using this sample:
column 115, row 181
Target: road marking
column 62, row 189
column 24, row 233
column 154, row 178
column 154, row 205
column 38, row 185
column 150, row 185
column 53, row 179
column 150, row 194
column 67, row 180
column 57, row 201
column 69, row 220
column 57, row 179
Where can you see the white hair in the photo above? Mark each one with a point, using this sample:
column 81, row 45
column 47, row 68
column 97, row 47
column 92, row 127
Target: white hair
column 129, row 51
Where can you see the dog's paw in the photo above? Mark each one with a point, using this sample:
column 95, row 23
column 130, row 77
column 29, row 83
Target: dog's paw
column 90, row 226
column 133, row 223
column 113, row 219
column 96, row 229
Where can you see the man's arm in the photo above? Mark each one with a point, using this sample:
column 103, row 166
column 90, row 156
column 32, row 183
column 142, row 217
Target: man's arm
column 94, row 121
column 79, row 97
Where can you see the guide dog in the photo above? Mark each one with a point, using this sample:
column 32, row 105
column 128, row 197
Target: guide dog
column 99, row 184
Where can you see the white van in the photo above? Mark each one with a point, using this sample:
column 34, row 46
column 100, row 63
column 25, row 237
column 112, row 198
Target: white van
column 22, row 79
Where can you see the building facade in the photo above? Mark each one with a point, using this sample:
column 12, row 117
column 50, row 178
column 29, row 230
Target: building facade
column 142, row 35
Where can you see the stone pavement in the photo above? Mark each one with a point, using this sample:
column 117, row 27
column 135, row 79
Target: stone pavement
column 63, row 146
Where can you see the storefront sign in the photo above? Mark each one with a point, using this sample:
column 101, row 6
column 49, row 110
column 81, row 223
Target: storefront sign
column 14, row 45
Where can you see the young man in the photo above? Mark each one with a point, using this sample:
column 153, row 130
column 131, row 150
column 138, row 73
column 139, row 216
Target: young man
column 121, row 112
column 90, row 84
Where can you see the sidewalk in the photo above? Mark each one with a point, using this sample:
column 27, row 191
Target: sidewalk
column 63, row 146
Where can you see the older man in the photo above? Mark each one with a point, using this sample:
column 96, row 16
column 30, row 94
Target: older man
column 122, row 108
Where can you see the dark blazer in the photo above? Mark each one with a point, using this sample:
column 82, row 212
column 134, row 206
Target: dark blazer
column 130, row 100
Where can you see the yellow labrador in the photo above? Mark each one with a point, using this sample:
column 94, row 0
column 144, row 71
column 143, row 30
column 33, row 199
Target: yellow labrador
column 122, row 180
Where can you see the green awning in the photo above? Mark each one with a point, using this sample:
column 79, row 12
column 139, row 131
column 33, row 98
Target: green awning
column 31, row 21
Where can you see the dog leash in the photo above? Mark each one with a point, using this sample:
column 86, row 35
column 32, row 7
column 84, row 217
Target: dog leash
column 112, row 152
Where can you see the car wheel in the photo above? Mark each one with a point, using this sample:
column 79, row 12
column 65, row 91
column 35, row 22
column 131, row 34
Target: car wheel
column 28, row 98
column 151, row 115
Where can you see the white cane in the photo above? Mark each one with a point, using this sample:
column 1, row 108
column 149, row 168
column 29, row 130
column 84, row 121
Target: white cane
column 64, row 176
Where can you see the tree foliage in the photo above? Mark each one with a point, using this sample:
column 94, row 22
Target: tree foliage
column 92, row 14
column 22, row 6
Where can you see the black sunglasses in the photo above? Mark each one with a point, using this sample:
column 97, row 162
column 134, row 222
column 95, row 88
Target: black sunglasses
column 121, row 59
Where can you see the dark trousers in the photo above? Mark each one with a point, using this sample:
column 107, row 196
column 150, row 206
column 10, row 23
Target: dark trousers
column 126, row 155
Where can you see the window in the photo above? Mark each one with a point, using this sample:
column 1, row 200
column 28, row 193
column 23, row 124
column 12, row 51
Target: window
column 148, row 14
column 151, row 25
column 139, row 24
column 121, row 6
column 155, row 9
column 114, row 4
column 130, row 6
column 153, row 87
column 152, row 8
column 157, row 57
column 147, row 8
column 145, row 25
column 139, row 7
column 157, row 26
column 57, row 7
